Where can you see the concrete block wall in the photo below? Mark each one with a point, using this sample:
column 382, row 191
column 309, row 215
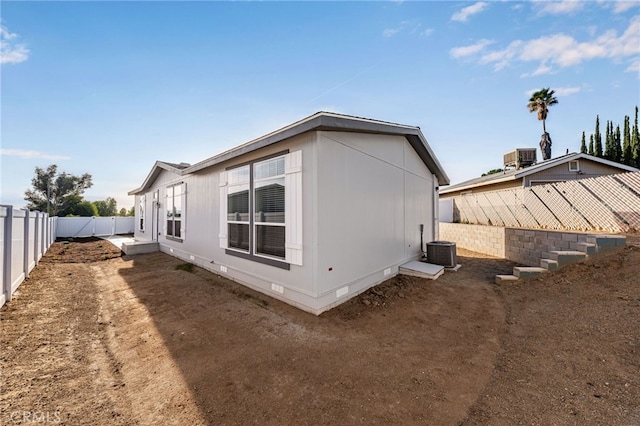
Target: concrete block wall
column 524, row 246
column 479, row 238
column 528, row 246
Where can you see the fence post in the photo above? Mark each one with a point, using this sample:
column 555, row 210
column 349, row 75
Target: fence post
column 47, row 220
column 8, row 242
column 25, row 260
column 36, row 238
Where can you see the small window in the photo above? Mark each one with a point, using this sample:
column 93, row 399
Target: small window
column 574, row 166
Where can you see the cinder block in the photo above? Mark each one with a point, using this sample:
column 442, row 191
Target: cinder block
column 554, row 236
column 569, row 237
column 587, row 248
column 527, row 271
column 549, row 264
column 505, row 279
column 565, row 257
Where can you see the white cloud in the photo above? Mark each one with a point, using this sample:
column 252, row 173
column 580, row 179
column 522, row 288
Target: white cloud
column 559, row 91
column 634, row 67
column 427, row 32
column 541, row 70
column 463, row 51
column 558, row 7
column 390, row 32
column 464, row 14
column 566, row 91
column 29, row 154
column 11, row 52
column 502, row 58
column 619, row 6
column 623, row 6
column 559, row 49
column 411, row 25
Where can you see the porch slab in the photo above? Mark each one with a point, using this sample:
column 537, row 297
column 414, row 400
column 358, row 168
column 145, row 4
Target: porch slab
column 140, row 247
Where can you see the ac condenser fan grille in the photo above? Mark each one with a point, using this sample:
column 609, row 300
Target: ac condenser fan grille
column 442, row 253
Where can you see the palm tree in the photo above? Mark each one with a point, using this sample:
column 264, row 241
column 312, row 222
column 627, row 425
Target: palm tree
column 540, row 101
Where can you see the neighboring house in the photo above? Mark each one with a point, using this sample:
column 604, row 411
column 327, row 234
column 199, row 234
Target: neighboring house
column 567, row 167
column 311, row 214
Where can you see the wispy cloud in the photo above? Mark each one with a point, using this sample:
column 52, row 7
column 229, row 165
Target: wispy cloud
column 558, row 7
column 541, row 70
column 619, row 6
column 472, row 49
column 410, row 26
column 634, row 67
column 30, row 154
column 11, row 51
column 559, row 50
column 559, row 91
column 463, row 15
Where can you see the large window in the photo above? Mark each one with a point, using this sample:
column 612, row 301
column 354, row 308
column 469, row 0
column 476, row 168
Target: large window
column 175, row 201
column 261, row 217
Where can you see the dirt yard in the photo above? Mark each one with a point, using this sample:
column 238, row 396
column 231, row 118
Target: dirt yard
column 93, row 338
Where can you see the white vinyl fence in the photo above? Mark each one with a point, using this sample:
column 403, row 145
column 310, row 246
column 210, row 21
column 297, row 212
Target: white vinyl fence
column 25, row 237
column 606, row 203
column 72, row 227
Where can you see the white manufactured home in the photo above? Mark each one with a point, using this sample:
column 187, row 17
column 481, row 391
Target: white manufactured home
column 311, row 214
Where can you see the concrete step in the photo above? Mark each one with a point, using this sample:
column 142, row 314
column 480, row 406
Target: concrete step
column 528, row 271
column 549, row 264
column 565, row 257
column 607, row 242
column 505, row 278
column 588, row 248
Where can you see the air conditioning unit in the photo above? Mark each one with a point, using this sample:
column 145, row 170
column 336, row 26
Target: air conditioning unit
column 442, row 253
column 521, row 157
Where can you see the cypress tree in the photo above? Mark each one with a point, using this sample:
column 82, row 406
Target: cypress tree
column 617, row 146
column 635, row 142
column 627, row 156
column 597, row 139
column 591, row 152
column 583, row 145
column 608, row 143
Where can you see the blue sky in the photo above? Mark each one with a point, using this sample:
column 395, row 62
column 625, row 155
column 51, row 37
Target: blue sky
column 107, row 88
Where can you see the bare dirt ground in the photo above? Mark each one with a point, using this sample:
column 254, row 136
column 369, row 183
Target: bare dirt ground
column 94, row 338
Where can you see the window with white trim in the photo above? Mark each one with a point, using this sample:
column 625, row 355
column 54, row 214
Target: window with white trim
column 261, row 210
column 574, row 166
column 141, row 203
column 174, row 226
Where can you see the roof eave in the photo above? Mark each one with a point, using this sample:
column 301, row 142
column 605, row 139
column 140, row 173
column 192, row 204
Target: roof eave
column 153, row 174
column 327, row 121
